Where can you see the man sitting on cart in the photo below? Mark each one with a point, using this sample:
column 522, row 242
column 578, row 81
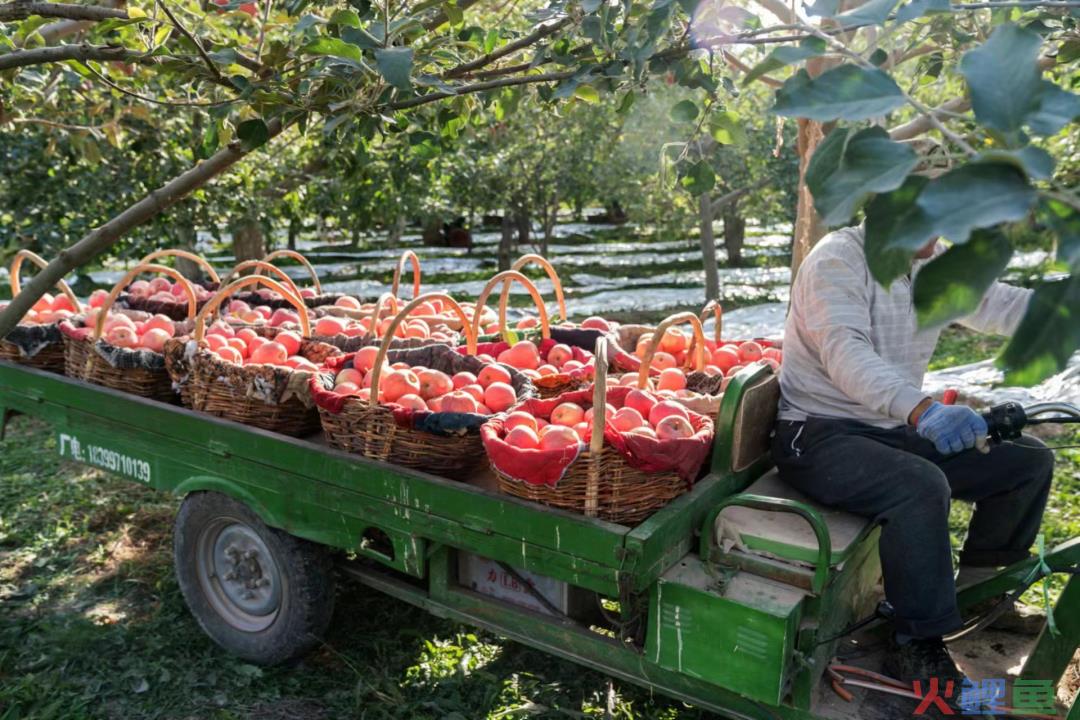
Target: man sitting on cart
column 857, row 432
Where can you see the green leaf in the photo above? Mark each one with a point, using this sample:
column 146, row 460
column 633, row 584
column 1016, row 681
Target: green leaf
column 895, row 228
column 1064, row 220
column 252, row 134
column 727, row 128
column 684, row 111
column 699, row 179
column 823, row 8
column 1056, row 109
column 878, row 57
column 918, row 8
column 453, row 13
column 952, row 285
column 847, row 92
column 210, row 140
column 873, row 12
column 491, row 40
column 1035, row 162
column 587, row 93
column 1003, row 78
column 336, row 48
column 360, row 37
column 849, row 166
column 626, row 103
column 1048, row 335
column 395, row 65
column 591, row 6
column 786, row 55
column 346, row 18
column 976, row 195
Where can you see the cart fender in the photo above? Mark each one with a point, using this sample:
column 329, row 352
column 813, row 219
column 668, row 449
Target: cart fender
column 200, row 483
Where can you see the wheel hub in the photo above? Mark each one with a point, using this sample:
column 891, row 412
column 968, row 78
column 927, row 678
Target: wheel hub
column 239, row 575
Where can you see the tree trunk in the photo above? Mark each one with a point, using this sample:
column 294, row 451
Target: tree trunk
column 808, row 226
column 397, row 230
column 524, row 227
column 248, row 241
column 708, row 248
column 185, row 267
column 506, row 242
column 294, row 232
column 734, row 234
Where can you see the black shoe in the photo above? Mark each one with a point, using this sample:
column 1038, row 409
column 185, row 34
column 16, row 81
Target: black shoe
column 922, row 659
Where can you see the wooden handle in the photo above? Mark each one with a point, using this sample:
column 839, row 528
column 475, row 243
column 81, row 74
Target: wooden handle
column 131, row 275
column 508, row 276
column 219, row 297
column 411, row 257
column 261, row 265
column 698, row 345
column 554, row 276
column 198, row 260
column 377, row 309
column 315, row 284
column 714, row 307
column 388, row 336
column 16, row 265
column 599, row 414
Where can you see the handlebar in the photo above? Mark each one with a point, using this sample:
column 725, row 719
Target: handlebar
column 1007, row 420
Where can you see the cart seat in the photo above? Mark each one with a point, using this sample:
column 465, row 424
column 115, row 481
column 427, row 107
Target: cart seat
column 782, row 535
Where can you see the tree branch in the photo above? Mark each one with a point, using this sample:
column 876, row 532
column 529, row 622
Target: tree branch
column 81, row 52
column 194, row 41
column 480, row 87
column 21, row 10
column 728, row 198
column 539, row 34
column 737, row 64
column 136, row 214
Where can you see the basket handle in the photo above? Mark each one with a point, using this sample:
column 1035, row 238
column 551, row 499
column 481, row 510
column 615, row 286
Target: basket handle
column 508, row 276
column 554, row 276
column 33, row 257
column 411, row 257
column 388, row 336
column 219, row 297
column 261, row 265
column 377, row 308
column 596, row 442
column 286, row 253
column 698, row 344
column 714, row 307
column 134, row 272
column 197, row 259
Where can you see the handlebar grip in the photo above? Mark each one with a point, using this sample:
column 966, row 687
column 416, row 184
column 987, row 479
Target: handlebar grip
column 949, row 396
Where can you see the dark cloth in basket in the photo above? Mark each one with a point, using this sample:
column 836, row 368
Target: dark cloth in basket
column 32, row 339
column 683, row 456
column 436, row 357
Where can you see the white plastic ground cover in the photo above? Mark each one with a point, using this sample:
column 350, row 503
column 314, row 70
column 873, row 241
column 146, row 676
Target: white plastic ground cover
column 981, row 382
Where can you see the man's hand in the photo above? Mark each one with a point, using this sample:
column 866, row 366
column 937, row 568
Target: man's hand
column 951, row 428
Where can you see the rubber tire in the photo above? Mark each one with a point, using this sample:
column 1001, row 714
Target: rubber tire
column 307, row 589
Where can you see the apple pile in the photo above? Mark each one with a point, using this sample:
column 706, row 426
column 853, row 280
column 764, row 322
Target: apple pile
column 120, row 330
column 725, row 360
column 247, row 347
column 426, row 389
column 47, row 310
column 640, row 413
column 157, row 290
column 332, row 325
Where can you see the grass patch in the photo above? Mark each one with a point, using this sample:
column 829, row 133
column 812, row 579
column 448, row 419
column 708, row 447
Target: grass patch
column 961, row 346
column 93, row 625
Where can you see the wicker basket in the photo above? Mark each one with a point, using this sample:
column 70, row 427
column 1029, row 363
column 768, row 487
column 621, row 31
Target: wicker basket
column 177, row 309
column 137, row 371
column 37, row 346
column 546, row 385
column 365, row 427
column 600, row 480
column 704, row 391
column 264, row 396
column 319, row 299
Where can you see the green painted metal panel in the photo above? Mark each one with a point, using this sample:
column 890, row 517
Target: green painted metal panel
column 1052, row 653
column 738, row 633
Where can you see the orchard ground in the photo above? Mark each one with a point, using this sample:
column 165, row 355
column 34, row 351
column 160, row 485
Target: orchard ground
column 93, row 624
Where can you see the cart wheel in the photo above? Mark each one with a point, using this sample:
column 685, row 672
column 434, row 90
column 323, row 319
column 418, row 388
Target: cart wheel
column 258, row 592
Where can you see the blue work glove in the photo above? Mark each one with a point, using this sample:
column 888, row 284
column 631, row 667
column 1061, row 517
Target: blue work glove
column 951, row 428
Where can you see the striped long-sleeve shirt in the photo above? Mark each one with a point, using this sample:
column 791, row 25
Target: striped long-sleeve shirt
column 852, row 348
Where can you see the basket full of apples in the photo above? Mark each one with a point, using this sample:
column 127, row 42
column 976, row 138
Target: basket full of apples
column 256, row 377
column 36, row 341
column 364, row 327
column 121, row 348
column 553, row 366
column 419, row 407
column 616, row 453
column 312, row 296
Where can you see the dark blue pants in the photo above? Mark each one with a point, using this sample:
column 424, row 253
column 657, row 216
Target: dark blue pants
column 899, row 480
